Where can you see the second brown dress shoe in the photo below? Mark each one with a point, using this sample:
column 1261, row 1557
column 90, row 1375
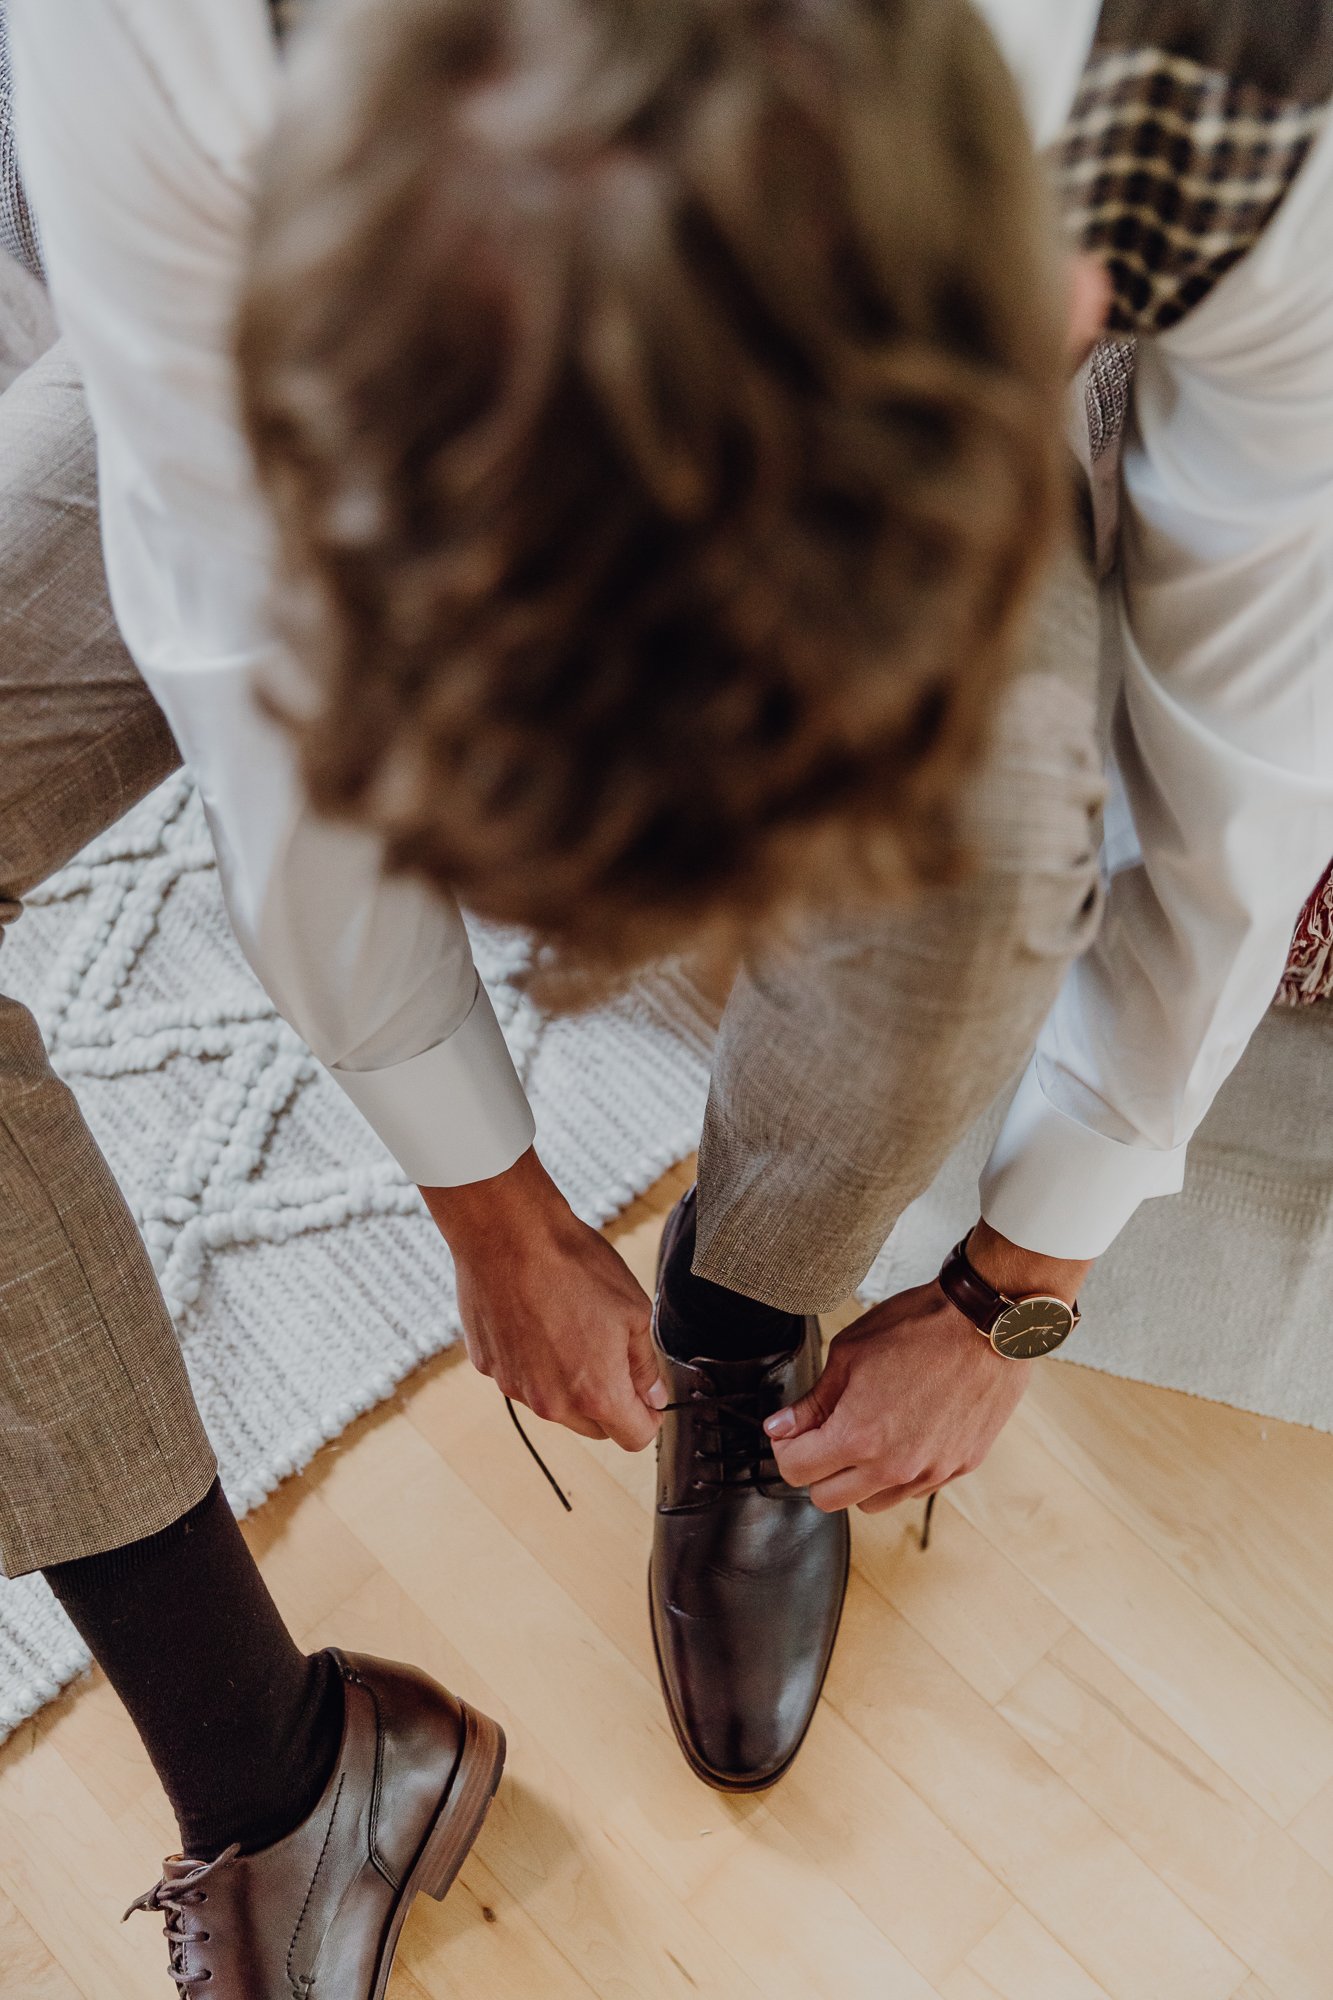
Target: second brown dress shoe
column 318, row 1914
column 748, row 1577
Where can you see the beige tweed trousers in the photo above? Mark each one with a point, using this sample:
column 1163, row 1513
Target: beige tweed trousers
column 100, row 1441
column 844, row 1072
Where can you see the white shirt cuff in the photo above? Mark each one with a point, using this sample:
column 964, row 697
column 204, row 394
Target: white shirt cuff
column 1055, row 1186
column 453, row 1114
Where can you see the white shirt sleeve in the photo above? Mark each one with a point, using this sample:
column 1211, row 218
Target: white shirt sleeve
column 1046, row 44
column 1221, row 820
column 139, row 122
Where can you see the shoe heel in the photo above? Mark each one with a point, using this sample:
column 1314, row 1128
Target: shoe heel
column 460, row 1820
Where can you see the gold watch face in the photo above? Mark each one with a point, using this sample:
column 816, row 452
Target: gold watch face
column 1032, row 1328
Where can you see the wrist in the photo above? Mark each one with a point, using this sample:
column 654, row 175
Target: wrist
column 506, row 1208
column 1021, row 1273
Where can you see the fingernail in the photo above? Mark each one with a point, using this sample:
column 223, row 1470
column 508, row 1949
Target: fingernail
column 657, row 1395
column 781, row 1424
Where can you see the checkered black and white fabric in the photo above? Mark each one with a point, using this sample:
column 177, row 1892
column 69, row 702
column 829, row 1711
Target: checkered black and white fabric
column 1192, row 121
column 1170, row 170
column 18, row 234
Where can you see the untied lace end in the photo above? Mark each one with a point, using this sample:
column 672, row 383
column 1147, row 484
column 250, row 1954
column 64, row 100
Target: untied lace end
column 546, row 1471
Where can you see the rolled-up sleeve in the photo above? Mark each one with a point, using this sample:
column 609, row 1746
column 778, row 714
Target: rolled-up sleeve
column 138, row 155
column 1221, row 820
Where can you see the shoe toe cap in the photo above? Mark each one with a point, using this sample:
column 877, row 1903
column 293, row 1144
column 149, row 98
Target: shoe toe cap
column 742, row 1676
column 743, row 1746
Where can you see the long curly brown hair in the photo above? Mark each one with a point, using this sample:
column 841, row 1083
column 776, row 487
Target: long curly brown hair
column 660, row 401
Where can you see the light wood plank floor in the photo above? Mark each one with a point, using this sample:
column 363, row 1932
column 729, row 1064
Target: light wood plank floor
column 1082, row 1750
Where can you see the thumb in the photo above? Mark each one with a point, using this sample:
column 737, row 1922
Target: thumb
column 643, row 1369
column 809, row 1412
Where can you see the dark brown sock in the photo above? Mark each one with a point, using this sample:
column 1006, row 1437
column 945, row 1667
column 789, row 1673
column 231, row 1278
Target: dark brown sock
column 697, row 1318
column 242, row 1727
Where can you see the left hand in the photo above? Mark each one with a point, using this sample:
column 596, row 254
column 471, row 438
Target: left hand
column 912, row 1395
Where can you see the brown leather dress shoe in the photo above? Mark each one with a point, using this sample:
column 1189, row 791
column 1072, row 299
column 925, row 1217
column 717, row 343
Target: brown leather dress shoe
column 317, row 1915
column 748, row 1577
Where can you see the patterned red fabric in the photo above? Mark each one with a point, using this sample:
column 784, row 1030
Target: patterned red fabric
column 1309, row 973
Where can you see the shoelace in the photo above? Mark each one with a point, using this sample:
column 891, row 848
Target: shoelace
column 735, row 1456
column 546, row 1471
column 172, row 1899
column 753, row 1470
column 740, row 1451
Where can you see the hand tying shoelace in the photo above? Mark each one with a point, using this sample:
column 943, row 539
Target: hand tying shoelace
column 738, row 1461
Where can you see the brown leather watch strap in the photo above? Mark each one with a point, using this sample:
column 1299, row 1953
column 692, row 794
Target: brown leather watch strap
column 964, row 1287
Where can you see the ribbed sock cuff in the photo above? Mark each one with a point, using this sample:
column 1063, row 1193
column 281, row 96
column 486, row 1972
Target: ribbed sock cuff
column 113, row 1566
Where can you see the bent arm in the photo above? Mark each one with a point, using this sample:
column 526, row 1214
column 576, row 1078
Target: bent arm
column 143, row 209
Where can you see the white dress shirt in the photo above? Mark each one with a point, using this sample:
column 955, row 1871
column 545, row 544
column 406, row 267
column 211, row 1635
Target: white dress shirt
column 140, row 124
column 1221, row 817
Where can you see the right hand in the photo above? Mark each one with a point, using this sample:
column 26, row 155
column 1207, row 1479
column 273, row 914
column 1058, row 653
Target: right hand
column 550, row 1311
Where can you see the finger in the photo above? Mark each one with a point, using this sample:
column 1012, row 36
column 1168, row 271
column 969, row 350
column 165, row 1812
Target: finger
column 644, row 1371
column 567, row 1415
column 814, row 1456
column 810, row 1411
column 846, row 1489
column 629, row 1422
column 894, row 1496
column 574, row 1420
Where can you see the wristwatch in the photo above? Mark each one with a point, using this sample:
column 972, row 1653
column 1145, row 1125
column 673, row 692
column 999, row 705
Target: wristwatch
column 1020, row 1329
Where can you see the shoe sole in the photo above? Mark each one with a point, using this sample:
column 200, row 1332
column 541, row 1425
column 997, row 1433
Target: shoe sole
column 687, row 1751
column 455, row 1828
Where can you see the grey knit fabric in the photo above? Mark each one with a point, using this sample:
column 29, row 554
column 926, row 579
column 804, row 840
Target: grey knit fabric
column 1110, row 387
column 18, row 233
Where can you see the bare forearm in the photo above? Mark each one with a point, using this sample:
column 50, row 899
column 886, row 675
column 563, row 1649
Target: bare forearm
column 507, row 1207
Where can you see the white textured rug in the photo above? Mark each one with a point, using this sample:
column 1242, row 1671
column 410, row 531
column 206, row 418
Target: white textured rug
column 303, row 1272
